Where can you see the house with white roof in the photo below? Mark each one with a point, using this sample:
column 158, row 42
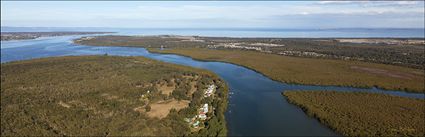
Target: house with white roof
column 210, row 90
column 205, row 108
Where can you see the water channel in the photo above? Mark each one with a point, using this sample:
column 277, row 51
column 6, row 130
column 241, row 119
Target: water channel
column 256, row 106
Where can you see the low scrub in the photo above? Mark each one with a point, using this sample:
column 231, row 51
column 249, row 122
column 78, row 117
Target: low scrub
column 363, row 114
column 315, row 71
column 104, row 95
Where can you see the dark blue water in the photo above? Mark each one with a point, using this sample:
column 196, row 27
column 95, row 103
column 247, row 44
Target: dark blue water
column 256, row 106
column 245, row 32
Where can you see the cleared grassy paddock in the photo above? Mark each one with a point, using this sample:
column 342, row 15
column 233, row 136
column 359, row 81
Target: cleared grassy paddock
column 363, row 114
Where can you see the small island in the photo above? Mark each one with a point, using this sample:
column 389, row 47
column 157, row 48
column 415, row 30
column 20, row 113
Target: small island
column 363, row 114
column 110, row 96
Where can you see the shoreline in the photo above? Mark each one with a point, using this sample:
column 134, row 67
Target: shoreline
column 18, row 36
column 285, row 82
column 220, row 103
column 319, row 112
column 154, row 50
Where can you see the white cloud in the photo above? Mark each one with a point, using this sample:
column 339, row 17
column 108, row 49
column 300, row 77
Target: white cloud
column 407, row 2
column 372, row 3
column 335, row 2
column 219, row 14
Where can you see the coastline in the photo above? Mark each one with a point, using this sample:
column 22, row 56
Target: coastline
column 18, row 36
column 220, row 103
column 320, row 106
column 287, row 82
column 155, row 50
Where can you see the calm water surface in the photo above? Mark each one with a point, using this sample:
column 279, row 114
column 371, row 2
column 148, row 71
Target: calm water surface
column 246, row 32
column 256, row 106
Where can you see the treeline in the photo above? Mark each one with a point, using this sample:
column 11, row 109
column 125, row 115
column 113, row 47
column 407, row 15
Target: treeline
column 99, row 96
column 408, row 55
column 401, row 54
column 5, row 36
column 363, row 114
column 141, row 41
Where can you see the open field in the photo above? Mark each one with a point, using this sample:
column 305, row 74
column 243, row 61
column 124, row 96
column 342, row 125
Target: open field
column 363, row 114
column 313, row 71
column 161, row 109
column 106, row 95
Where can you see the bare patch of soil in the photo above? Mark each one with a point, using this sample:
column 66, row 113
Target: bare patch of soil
column 109, row 97
column 63, row 104
column 161, row 109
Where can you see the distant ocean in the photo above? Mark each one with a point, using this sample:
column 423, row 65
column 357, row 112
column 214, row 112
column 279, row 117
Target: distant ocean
column 245, row 32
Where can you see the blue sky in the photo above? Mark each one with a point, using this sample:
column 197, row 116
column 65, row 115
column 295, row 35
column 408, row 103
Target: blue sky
column 215, row 14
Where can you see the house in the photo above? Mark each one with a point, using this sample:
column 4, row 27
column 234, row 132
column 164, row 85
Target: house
column 210, row 90
column 190, row 120
column 196, row 124
column 205, row 108
column 202, row 116
column 203, row 111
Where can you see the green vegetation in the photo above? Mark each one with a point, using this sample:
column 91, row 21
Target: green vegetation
column 363, row 114
column 312, row 71
column 5, row 36
column 106, row 95
column 408, row 52
column 145, row 41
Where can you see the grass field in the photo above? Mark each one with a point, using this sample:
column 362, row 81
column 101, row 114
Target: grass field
column 363, row 114
column 105, row 95
column 314, row 71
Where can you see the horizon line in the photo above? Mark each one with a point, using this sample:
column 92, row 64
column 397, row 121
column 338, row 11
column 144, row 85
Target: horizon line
column 216, row 27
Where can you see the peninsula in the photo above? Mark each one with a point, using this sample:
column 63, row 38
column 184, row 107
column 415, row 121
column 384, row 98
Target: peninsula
column 110, row 96
column 6, row 36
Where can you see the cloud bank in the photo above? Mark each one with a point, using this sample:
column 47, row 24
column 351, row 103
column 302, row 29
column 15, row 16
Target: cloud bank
column 322, row 14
